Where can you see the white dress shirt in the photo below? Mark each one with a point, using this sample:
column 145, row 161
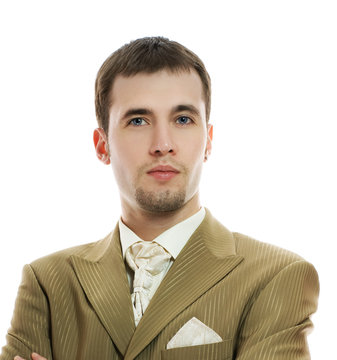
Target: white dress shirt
column 172, row 240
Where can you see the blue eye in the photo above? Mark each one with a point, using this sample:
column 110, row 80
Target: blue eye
column 183, row 120
column 137, row 122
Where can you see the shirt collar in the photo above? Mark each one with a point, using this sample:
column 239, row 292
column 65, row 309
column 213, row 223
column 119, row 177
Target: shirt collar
column 173, row 239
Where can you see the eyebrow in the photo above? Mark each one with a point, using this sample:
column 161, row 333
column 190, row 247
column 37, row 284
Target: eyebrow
column 184, row 107
column 136, row 111
column 144, row 111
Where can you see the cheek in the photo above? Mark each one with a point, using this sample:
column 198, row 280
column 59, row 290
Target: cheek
column 124, row 147
column 124, row 156
column 195, row 149
column 195, row 155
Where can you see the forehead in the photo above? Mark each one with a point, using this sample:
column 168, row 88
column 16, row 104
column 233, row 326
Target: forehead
column 159, row 87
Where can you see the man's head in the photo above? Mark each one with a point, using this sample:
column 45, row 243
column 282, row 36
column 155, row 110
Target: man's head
column 152, row 103
column 146, row 55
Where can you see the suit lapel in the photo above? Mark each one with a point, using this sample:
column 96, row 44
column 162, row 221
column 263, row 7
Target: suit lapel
column 101, row 272
column 207, row 258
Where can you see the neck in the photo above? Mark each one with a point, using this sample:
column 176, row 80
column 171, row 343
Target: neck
column 148, row 225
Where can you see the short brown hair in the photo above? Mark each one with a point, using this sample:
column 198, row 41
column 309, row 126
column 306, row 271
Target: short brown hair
column 147, row 55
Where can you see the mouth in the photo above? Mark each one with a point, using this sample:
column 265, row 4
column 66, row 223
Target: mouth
column 163, row 172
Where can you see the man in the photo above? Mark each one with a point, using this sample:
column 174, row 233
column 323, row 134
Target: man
column 170, row 282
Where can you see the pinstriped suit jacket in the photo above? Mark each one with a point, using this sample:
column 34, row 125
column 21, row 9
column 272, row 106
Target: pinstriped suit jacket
column 75, row 304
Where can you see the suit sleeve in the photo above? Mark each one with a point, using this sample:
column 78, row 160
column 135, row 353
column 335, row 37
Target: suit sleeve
column 278, row 321
column 30, row 327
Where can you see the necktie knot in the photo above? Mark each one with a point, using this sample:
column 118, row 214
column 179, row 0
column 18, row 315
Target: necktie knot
column 147, row 257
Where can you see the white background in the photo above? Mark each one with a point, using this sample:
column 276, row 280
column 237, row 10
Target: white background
column 272, row 173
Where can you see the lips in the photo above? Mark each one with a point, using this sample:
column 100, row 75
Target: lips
column 163, row 172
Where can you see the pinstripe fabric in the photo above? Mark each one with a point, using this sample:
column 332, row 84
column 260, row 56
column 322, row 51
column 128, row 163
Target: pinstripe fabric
column 76, row 304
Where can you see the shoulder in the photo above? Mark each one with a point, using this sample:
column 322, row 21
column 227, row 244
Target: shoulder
column 266, row 262
column 256, row 254
column 256, row 250
column 62, row 259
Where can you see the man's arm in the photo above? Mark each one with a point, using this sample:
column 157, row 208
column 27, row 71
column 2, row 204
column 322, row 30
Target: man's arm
column 278, row 322
column 30, row 328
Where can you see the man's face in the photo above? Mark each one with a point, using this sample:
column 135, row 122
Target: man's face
column 158, row 139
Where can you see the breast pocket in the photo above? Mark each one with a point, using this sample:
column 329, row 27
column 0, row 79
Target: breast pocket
column 217, row 351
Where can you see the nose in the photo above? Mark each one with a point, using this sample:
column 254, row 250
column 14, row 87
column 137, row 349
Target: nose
column 162, row 141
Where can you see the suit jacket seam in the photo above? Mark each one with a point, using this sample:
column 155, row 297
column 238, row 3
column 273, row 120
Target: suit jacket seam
column 21, row 340
column 44, row 292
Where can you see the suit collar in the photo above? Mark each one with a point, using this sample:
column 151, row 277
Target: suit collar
column 218, row 240
column 207, row 258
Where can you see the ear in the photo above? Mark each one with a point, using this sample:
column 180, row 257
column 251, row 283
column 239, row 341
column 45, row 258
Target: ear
column 101, row 146
column 209, row 141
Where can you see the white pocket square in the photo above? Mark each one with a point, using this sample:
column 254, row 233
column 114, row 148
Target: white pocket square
column 193, row 333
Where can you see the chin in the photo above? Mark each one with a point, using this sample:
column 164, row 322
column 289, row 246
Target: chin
column 159, row 202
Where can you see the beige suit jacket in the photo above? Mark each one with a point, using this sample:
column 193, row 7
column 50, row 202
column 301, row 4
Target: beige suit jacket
column 75, row 304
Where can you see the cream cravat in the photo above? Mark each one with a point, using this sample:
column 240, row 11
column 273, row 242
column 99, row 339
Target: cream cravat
column 149, row 261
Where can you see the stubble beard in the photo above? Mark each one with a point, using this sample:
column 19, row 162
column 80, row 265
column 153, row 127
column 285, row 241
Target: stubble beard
column 161, row 202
